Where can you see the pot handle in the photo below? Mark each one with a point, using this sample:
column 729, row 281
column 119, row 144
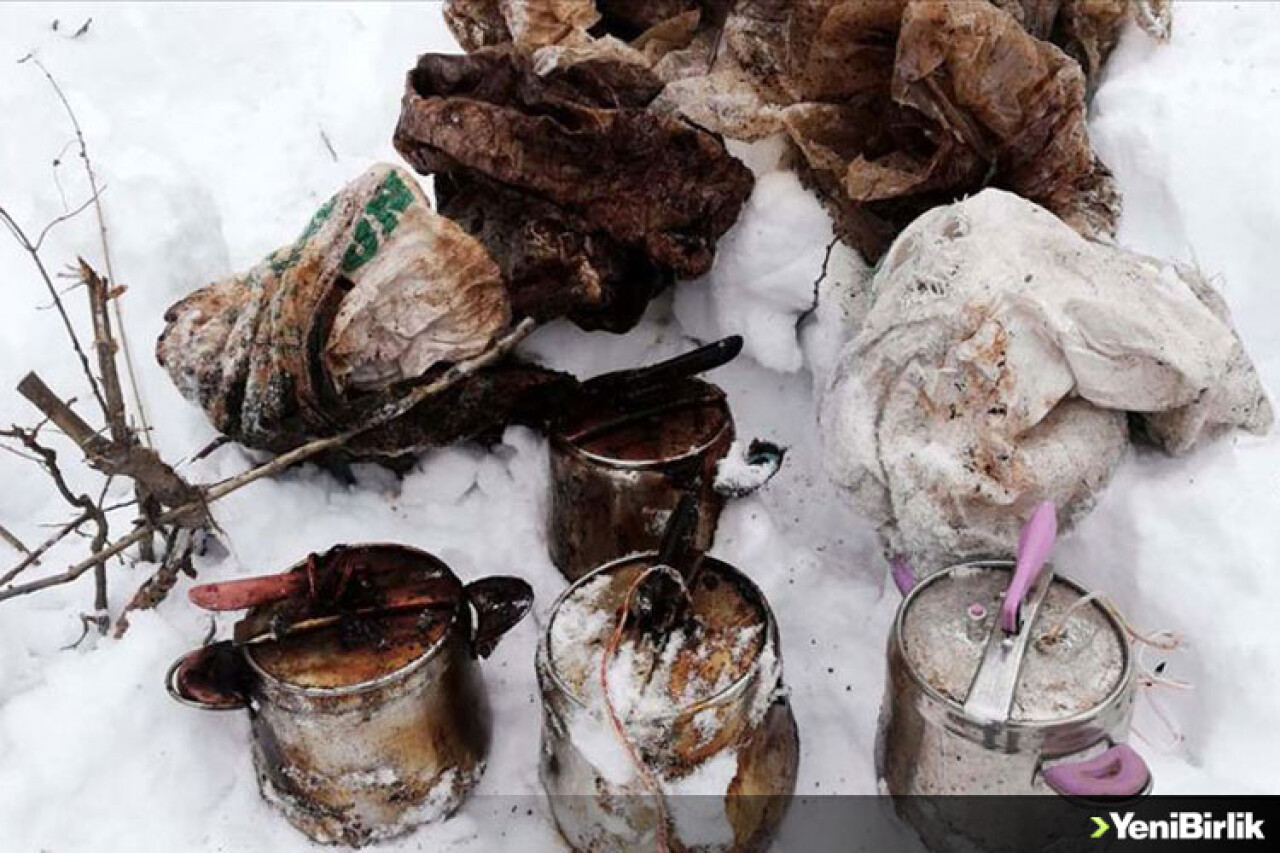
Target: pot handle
column 499, row 602
column 762, row 458
column 1118, row 773
column 212, row 678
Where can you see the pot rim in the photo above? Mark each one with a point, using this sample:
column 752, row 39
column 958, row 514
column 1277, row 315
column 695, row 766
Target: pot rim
column 1123, row 684
column 561, row 443
column 381, row 681
column 726, row 694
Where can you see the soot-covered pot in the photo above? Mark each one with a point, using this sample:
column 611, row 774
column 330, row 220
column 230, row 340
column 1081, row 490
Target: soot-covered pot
column 359, row 672
column 704, row 752
column 1005, row 679
column 619, row 469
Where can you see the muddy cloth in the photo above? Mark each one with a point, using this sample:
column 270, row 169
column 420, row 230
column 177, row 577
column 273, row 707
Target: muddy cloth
column 378, row 292
column 1000, row 363
column 590, row 203
column 899, row 105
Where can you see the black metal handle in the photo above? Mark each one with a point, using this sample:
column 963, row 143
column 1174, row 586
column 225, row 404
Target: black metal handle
column 500, row 603
column 641, row 379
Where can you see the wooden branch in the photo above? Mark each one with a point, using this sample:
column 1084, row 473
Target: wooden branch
column 217, row 491
column 93, row 511
column 105, row 345
column 14, row 541
column 30, row 249
column 142, row 464
column 96, row 196
column 33, row 557
column 179, row 544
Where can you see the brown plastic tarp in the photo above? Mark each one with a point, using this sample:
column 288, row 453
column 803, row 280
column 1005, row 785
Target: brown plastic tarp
column 589, row 202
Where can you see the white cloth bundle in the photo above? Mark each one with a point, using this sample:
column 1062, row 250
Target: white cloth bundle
column 997, row 366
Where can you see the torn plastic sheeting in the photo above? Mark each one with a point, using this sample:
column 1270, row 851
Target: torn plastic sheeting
column 996, row 367
column 976, row 101
column 575, row 157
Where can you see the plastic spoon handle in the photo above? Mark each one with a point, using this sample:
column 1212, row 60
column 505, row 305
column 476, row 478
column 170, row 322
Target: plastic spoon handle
column 244, row 593
column 1034, row 546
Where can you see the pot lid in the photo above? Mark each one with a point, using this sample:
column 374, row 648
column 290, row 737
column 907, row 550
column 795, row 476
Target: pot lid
column 1068, row 658
column 395, row 607
column 697, row 661
column 669, row 423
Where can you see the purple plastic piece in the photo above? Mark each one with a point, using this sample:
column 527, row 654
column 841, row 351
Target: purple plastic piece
column 1118, row 772
column 1034, row 546
column 903, row 577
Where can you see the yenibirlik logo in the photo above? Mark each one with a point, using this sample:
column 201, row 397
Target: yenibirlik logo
column 1182, row 826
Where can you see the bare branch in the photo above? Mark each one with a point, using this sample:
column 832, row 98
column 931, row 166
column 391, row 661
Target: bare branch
column 178, row 546
column 33, row 557
column 96, row 197
column 13, row 541
column 30, row 249
column 121, row 434
column 139, row 463
column 44, row 232
column 387, row 413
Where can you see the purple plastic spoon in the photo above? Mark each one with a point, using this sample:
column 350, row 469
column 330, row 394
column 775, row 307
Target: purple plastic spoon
column 1034, row 546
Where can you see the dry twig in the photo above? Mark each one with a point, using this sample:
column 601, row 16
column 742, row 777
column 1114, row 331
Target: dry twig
column 215, row 492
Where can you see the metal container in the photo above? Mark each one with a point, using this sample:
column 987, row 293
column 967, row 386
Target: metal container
column 720, row 769
column 618, row 470
column 360, row 741
column 970, row 709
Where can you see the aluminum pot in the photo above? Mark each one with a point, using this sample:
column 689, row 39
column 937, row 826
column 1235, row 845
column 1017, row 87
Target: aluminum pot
column 619, row 469
column 970, row 709
column 359, row 741
column 725, row 765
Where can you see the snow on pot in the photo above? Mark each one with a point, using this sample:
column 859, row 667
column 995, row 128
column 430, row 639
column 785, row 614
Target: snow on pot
column 358, row 669
column 621, row 461
column 695, row 746
column 1005, row 679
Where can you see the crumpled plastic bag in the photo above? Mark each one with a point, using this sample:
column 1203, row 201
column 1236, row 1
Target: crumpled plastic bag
column 974, row 101
column 590, row 203
column 897, row 106
column 377, row 291
column 998, row 366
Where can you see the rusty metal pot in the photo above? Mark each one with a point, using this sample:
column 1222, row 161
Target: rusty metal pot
column 719, row 771
column 359, row 738
column 972, row 707
column 619, row 469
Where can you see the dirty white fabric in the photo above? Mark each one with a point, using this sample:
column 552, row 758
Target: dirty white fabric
column 995, row 369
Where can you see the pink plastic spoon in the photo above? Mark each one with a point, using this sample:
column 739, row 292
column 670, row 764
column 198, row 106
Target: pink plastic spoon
column 1035, row 543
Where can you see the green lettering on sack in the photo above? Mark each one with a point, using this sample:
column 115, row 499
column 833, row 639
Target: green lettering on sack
column 390, row 200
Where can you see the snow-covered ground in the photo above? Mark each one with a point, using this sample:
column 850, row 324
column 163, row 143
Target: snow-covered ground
column 206, row 122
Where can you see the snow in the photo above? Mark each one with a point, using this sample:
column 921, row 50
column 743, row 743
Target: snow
column 206, row 124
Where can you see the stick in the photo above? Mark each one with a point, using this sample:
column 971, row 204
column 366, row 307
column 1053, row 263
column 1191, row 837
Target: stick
column 179, row 544
column 14, row 541
column 217, row 491
column 121, row 434
column 96, row 195
column 30, row 249
column 33, row 557
column 142, row 464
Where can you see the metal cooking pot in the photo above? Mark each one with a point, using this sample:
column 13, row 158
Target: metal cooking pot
column 743, row 735
column 973, row 708
column 619, row 468
column 363, row 729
